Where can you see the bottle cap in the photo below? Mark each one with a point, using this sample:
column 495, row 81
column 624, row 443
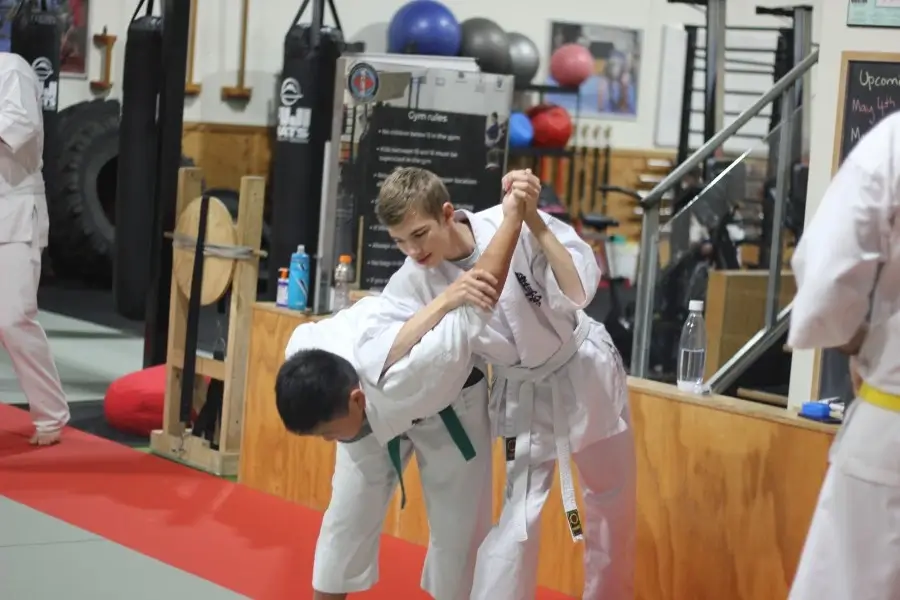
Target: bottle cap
column 301, row 249
column 283, row 273
column 695, row 306
column 345, row 259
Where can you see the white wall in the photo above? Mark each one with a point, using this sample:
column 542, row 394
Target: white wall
column 218, row 34
column 836, row 38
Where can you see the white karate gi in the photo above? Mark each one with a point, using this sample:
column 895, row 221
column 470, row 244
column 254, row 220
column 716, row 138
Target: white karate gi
column 457, row 493
column 852, row 551
column 24, row 226
column 560, row 390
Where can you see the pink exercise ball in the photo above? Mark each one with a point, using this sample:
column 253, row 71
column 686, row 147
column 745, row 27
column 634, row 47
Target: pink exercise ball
column 571, row 64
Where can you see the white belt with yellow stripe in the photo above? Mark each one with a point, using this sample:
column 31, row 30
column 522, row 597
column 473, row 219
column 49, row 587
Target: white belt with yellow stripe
column 519, row 382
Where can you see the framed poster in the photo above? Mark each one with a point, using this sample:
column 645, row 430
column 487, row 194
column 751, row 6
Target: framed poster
column 873, row 13
column 612, row 91
column 73, row 20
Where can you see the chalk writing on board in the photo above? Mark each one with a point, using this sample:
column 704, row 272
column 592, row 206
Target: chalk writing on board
column 872, row 93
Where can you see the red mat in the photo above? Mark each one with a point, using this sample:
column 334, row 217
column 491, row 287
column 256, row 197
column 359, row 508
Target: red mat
column 252, row 543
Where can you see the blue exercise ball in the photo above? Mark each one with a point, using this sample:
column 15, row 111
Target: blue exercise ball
column 521, row 131
column 424, row 27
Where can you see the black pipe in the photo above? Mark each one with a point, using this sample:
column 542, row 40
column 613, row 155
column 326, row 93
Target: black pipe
column 176, row 25
column 687, row 95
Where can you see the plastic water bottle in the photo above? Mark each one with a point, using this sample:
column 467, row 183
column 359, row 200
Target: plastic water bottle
column 298, row 284
column 281, row 297
column 343, row 277
column 692, row 350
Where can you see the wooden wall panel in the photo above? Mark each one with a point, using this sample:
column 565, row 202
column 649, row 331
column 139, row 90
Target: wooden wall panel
column 228, row 152
column 735, row 310
column 726, row 488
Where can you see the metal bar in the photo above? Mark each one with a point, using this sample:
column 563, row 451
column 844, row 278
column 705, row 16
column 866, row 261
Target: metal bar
column 646, row 283
column 750, row 93
column 713, row 144
column 746, row 71
column 715, row 68
column 746, row 136
column 684, row 134
column 750, row 50
column 732, row 113
column 743, row 359
column 802, row 46
column 739, row 61
column 745, row 28
column 782, row 187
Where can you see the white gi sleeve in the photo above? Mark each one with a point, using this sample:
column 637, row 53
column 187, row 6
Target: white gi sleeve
column 303, row 338
column 20, row 114
column 837, row 259
column 426, row 380
column 585, row 263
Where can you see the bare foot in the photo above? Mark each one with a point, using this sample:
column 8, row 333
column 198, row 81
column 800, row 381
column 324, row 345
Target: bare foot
column 47, row 438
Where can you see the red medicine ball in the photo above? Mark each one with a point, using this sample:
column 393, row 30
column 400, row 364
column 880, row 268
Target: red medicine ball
column 552, row 126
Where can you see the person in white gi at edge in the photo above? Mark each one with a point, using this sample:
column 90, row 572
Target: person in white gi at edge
column 560, row 391
column 321, row 391
column 24, row 226
column 847, row 268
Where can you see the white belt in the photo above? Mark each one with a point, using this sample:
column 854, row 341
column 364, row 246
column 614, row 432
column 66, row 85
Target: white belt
column 520, row 381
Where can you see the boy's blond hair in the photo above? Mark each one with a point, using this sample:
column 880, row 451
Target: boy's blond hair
column 407, row 190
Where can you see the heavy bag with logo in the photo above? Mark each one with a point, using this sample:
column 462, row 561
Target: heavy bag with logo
column 35, row 36
column 303, row 125
column 136, row 183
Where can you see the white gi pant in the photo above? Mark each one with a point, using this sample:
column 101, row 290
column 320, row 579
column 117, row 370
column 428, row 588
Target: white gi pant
column 24, row 338
column 457, row 499
column 508, row 564
column 852, row 551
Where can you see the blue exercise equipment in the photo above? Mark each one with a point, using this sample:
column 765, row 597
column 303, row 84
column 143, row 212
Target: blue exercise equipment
column 424, row 27
column 521, row 131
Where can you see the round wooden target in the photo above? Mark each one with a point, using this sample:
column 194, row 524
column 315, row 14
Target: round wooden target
column 217, row 271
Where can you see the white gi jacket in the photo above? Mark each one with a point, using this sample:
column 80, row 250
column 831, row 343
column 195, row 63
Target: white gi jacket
column 849, row 552
column 23, row 204
column 838, row 257
column 398, row 398
column 535, row 320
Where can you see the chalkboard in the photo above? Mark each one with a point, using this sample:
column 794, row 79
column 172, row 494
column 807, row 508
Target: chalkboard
column 452, row 145
column 870, row 91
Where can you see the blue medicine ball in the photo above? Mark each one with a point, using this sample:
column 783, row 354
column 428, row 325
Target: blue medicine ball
column 424, row 27
column 521, row 131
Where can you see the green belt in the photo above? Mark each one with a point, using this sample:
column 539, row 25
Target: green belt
column 457, row 434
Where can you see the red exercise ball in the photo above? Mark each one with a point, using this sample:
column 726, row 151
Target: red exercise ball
column 552, row 126
column 571, row 64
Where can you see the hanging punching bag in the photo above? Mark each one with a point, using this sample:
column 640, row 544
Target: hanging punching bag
column 35, row 36
column 136, row 182
column 303, row 126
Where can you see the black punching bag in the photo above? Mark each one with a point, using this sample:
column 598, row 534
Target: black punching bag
column 303, row 126
column 136, row 183
column 35, row 36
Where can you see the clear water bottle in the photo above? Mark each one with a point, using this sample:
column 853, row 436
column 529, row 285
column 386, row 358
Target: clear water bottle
column 343, row 277
column 692, row 350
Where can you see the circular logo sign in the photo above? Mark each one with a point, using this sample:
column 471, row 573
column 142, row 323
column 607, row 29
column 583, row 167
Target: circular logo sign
column 290, row 92
column 362, row 82
column 43, row 68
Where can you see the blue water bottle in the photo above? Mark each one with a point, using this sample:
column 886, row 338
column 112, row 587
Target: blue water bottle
column 298, row 285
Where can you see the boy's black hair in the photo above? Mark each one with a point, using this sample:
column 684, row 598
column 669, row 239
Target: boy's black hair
column 312, row 388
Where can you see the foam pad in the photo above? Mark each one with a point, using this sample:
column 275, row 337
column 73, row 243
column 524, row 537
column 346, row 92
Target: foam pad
column 134, row 402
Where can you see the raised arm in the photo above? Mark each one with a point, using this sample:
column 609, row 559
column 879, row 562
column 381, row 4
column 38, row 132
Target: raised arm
column 565, row 265
column 487, row 278
column 836, row 262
